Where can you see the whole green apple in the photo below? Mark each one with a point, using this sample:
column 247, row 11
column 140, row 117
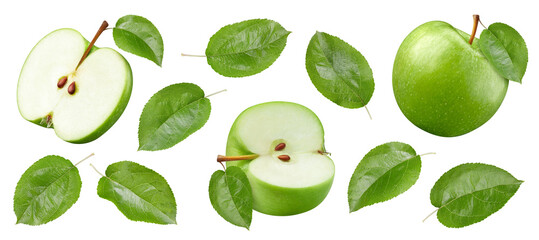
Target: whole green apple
column 80, row 97
column 289, row 173
column 443, row 84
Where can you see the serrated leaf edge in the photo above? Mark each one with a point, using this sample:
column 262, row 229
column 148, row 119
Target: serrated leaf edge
column 246, row 225
column 444, row 205
column 404, row 161
column 154, row 58
column 61, row 176
column 355, row 90
column 140, row 146
column 174, row 198
column 242, row 52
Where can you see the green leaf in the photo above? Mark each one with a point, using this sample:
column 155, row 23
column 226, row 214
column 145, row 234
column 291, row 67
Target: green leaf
column 246, row 48
column 471, row 192
column 139, row 193
column 339, row 71
column 506, row 50
column 46, row 190
column 230, row 196
column 139, row 36
column 385, row 172
column 171, row 115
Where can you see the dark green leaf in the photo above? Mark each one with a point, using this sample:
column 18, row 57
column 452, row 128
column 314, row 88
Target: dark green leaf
column 471, row 192
column 230, row 196
column 246, row 48
column 171, row 115
column 46, row 190
column 385, row 172
column 139, row 193
column 506, row 50
column 339, row 71
column 139, row 36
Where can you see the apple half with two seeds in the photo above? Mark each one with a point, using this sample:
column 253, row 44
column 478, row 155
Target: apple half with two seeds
column 80, row 101
column 289, row 171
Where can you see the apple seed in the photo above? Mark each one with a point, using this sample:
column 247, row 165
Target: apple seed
column 71, row 89
column 62, row 82
column 280, row 146
column 284, row 157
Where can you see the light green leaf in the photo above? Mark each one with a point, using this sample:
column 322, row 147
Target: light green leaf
column 46, row 190
column 230, row 196
column 471, row 192
column 339, row 71
column 506, row 50
column 171, row 115
column 139, row 193
column 139, row 36
column 385, row 172
column 246, row 48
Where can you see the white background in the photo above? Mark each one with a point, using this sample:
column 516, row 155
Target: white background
column 376, row 28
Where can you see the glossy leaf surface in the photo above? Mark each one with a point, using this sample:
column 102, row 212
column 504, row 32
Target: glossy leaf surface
column 171, row 115
column 230, row 195
column 506, row 50
column 385, row 172
column 140, row 193
column 46, row 190
column 339, row 71
column 139, row 36
column 471, row 192
column 246, row 48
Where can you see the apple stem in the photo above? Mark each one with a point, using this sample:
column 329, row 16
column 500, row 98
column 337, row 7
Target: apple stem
column 324, row 153
column 192, row 55
column 221, row 158
column 433, row 212
column 104, row 26
column 207, row 96
column 474, row 30
column 84, row 159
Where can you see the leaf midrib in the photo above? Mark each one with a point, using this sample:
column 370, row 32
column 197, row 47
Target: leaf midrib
column 234, row 202
column 513, row 68
column 150, row 137
column 155, row 58
column 340, row 78
column 384, row 174
column 173, row 220
column 471, row 193
column 251, row 49
column 44, row 190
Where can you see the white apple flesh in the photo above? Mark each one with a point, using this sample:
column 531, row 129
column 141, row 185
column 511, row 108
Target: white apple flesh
column 282, row 187
column 102, row 85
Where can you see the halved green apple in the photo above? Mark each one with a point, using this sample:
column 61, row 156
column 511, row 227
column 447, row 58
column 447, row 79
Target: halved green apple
column 81, row 102
column 290, row 172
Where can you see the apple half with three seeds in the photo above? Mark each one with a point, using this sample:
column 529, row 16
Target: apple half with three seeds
column 287, row 166
column 81, row 98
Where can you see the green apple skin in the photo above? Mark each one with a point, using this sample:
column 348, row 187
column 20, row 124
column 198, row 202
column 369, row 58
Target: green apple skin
column 116, row 113
column 271, row 199
column 443, row 84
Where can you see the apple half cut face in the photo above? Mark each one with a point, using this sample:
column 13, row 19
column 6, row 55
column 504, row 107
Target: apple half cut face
column 282, row 185
column 79, row 103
